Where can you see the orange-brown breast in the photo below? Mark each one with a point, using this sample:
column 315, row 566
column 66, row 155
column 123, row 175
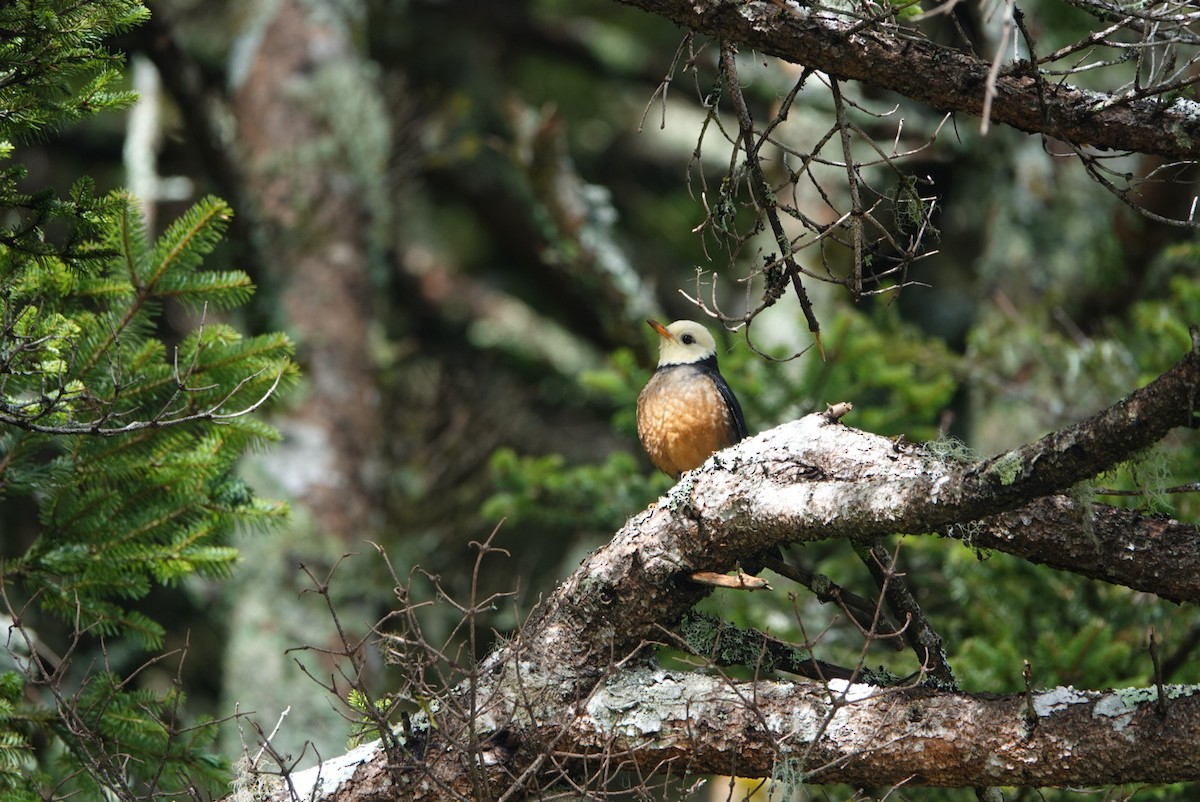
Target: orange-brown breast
column 683, row 419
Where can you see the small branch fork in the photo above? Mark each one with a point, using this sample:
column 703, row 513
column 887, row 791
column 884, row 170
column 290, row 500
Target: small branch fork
column 98, row 428
column 882, row 229
column 761, row 192
column 1145, row 57
column 919, row 632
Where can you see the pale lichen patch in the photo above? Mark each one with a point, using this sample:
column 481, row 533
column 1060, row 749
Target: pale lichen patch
column 638, row 705
column 324, row 779
column 852, row 692
column 1056, row 699
column 806, row 721
column 1114, row 708
column 1007, row 468
column 936, row 490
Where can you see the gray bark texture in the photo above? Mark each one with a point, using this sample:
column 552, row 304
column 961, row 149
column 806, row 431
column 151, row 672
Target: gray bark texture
column 893, row 57
column 576, row 696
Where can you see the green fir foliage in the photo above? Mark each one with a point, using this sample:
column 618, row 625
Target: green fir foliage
column 128, row 448
column 57, row 71
column 125, row 442
column 544, row 491
column 128, row 445
column 141, row 728
column 56, row 67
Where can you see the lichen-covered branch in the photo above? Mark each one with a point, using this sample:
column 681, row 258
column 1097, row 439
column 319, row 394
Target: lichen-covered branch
column 1151, row 553
column 861, row 734
column 656, row 722
column 889, row 57
column 576, row 688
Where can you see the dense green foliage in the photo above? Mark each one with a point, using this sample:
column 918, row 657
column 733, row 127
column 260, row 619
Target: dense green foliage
column 534, row 209
column 125, row 444
column 56, row 71
column 56, row 65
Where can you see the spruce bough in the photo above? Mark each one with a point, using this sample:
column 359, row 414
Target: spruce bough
column 118, row 446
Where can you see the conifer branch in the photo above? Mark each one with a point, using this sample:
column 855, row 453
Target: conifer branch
column 10, row 415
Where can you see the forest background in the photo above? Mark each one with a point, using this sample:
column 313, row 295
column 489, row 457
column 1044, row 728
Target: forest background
column 462, row 217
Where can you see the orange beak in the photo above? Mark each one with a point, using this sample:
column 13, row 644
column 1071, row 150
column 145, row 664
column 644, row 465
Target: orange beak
column 661, row 329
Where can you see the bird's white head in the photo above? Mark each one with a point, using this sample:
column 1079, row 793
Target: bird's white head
column 683, row 342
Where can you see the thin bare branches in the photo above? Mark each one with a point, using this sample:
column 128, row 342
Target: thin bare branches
column 1135, row 72
column 761, row 193
column 103, row 427
column 856, row 219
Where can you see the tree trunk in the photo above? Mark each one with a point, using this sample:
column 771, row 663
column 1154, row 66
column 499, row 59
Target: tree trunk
column 314, row 206
column 312, row 137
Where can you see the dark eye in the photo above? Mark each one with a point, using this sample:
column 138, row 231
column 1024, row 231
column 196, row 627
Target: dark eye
column 688, row 339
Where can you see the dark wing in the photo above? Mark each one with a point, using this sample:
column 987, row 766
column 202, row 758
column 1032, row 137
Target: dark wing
column 735, row 409
column 731, row 403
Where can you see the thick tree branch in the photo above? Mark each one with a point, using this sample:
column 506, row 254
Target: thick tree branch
column 574, row 688
column 656, row 722
column 1062, row 458
column 861, row 734
column 890, row 57
column 1151, row 553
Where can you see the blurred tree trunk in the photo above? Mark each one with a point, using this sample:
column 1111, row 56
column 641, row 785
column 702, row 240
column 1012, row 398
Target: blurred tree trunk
column 314, row 207
column 312, row 138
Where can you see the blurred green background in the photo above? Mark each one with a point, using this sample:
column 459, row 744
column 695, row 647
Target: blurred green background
column 520, row 199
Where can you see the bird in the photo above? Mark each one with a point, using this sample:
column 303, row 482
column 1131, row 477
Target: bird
column 686, row 412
